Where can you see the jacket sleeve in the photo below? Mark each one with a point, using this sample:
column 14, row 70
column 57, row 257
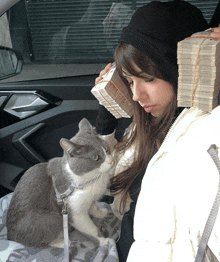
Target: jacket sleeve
column 106, row 123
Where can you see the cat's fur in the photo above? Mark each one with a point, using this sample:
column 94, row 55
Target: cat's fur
column 34, row 217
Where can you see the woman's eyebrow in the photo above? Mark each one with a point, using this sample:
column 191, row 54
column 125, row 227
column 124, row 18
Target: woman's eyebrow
column 125, row 74
column 141, row 74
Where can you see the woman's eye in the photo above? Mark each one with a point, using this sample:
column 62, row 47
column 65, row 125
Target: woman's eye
column 130, row 83
column 149, row 79
column 96, row 157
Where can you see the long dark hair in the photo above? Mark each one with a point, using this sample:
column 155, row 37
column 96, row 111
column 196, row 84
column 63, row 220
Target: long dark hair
column 149, row 131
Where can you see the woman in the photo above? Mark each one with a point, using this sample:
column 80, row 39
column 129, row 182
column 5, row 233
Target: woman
column 146, row 57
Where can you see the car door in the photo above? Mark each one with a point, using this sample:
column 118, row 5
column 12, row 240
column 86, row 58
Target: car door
column 35, row 115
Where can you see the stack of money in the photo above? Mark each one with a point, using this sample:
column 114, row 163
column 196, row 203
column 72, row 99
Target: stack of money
column 113, row 94
column 199, row 77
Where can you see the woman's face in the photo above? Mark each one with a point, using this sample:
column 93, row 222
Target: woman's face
column 153, row 94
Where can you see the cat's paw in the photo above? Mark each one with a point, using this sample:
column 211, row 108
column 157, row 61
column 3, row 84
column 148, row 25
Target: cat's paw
column 103, row 241
column 58, row 243
column 98, row 210
column 102, row 212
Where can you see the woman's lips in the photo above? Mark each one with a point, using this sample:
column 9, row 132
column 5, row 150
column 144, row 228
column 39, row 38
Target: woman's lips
column 148, row 109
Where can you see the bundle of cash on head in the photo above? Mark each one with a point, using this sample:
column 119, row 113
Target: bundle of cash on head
column 112, row 93
column 199, row 71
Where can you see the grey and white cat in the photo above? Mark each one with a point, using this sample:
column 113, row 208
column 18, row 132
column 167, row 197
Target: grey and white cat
column 34, row 217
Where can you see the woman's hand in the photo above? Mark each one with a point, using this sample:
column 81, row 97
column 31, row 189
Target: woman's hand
column 215, row 32
column 104, row 71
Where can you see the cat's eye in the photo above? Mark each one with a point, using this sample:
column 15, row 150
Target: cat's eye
column 96, row 157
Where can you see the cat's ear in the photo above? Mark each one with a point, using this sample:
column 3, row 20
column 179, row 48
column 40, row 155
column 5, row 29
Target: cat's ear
column 66, row 145
column 84, row 125
column 110, row 140
column 73, row 149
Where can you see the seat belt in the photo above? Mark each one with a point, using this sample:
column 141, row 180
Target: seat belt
column 213, row 214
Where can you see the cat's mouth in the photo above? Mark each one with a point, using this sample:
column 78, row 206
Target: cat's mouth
column 111, row 163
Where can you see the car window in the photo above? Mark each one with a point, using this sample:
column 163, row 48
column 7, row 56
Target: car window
column 67, row 31
column 51, row 34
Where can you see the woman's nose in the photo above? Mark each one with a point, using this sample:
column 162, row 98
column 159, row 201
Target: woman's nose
column 138, row 91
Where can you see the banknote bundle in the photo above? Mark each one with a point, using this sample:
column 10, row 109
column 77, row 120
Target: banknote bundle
column 112, row 93
column 198, row 60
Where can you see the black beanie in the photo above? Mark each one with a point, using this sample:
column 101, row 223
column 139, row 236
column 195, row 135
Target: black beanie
column 156, row 28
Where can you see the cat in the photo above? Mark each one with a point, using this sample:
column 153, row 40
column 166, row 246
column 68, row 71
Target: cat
column 34, row 217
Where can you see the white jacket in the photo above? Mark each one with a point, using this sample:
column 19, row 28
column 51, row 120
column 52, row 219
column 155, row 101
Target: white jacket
column 178, row 191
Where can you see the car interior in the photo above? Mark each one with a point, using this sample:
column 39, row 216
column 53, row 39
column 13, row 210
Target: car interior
column 51, row 51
